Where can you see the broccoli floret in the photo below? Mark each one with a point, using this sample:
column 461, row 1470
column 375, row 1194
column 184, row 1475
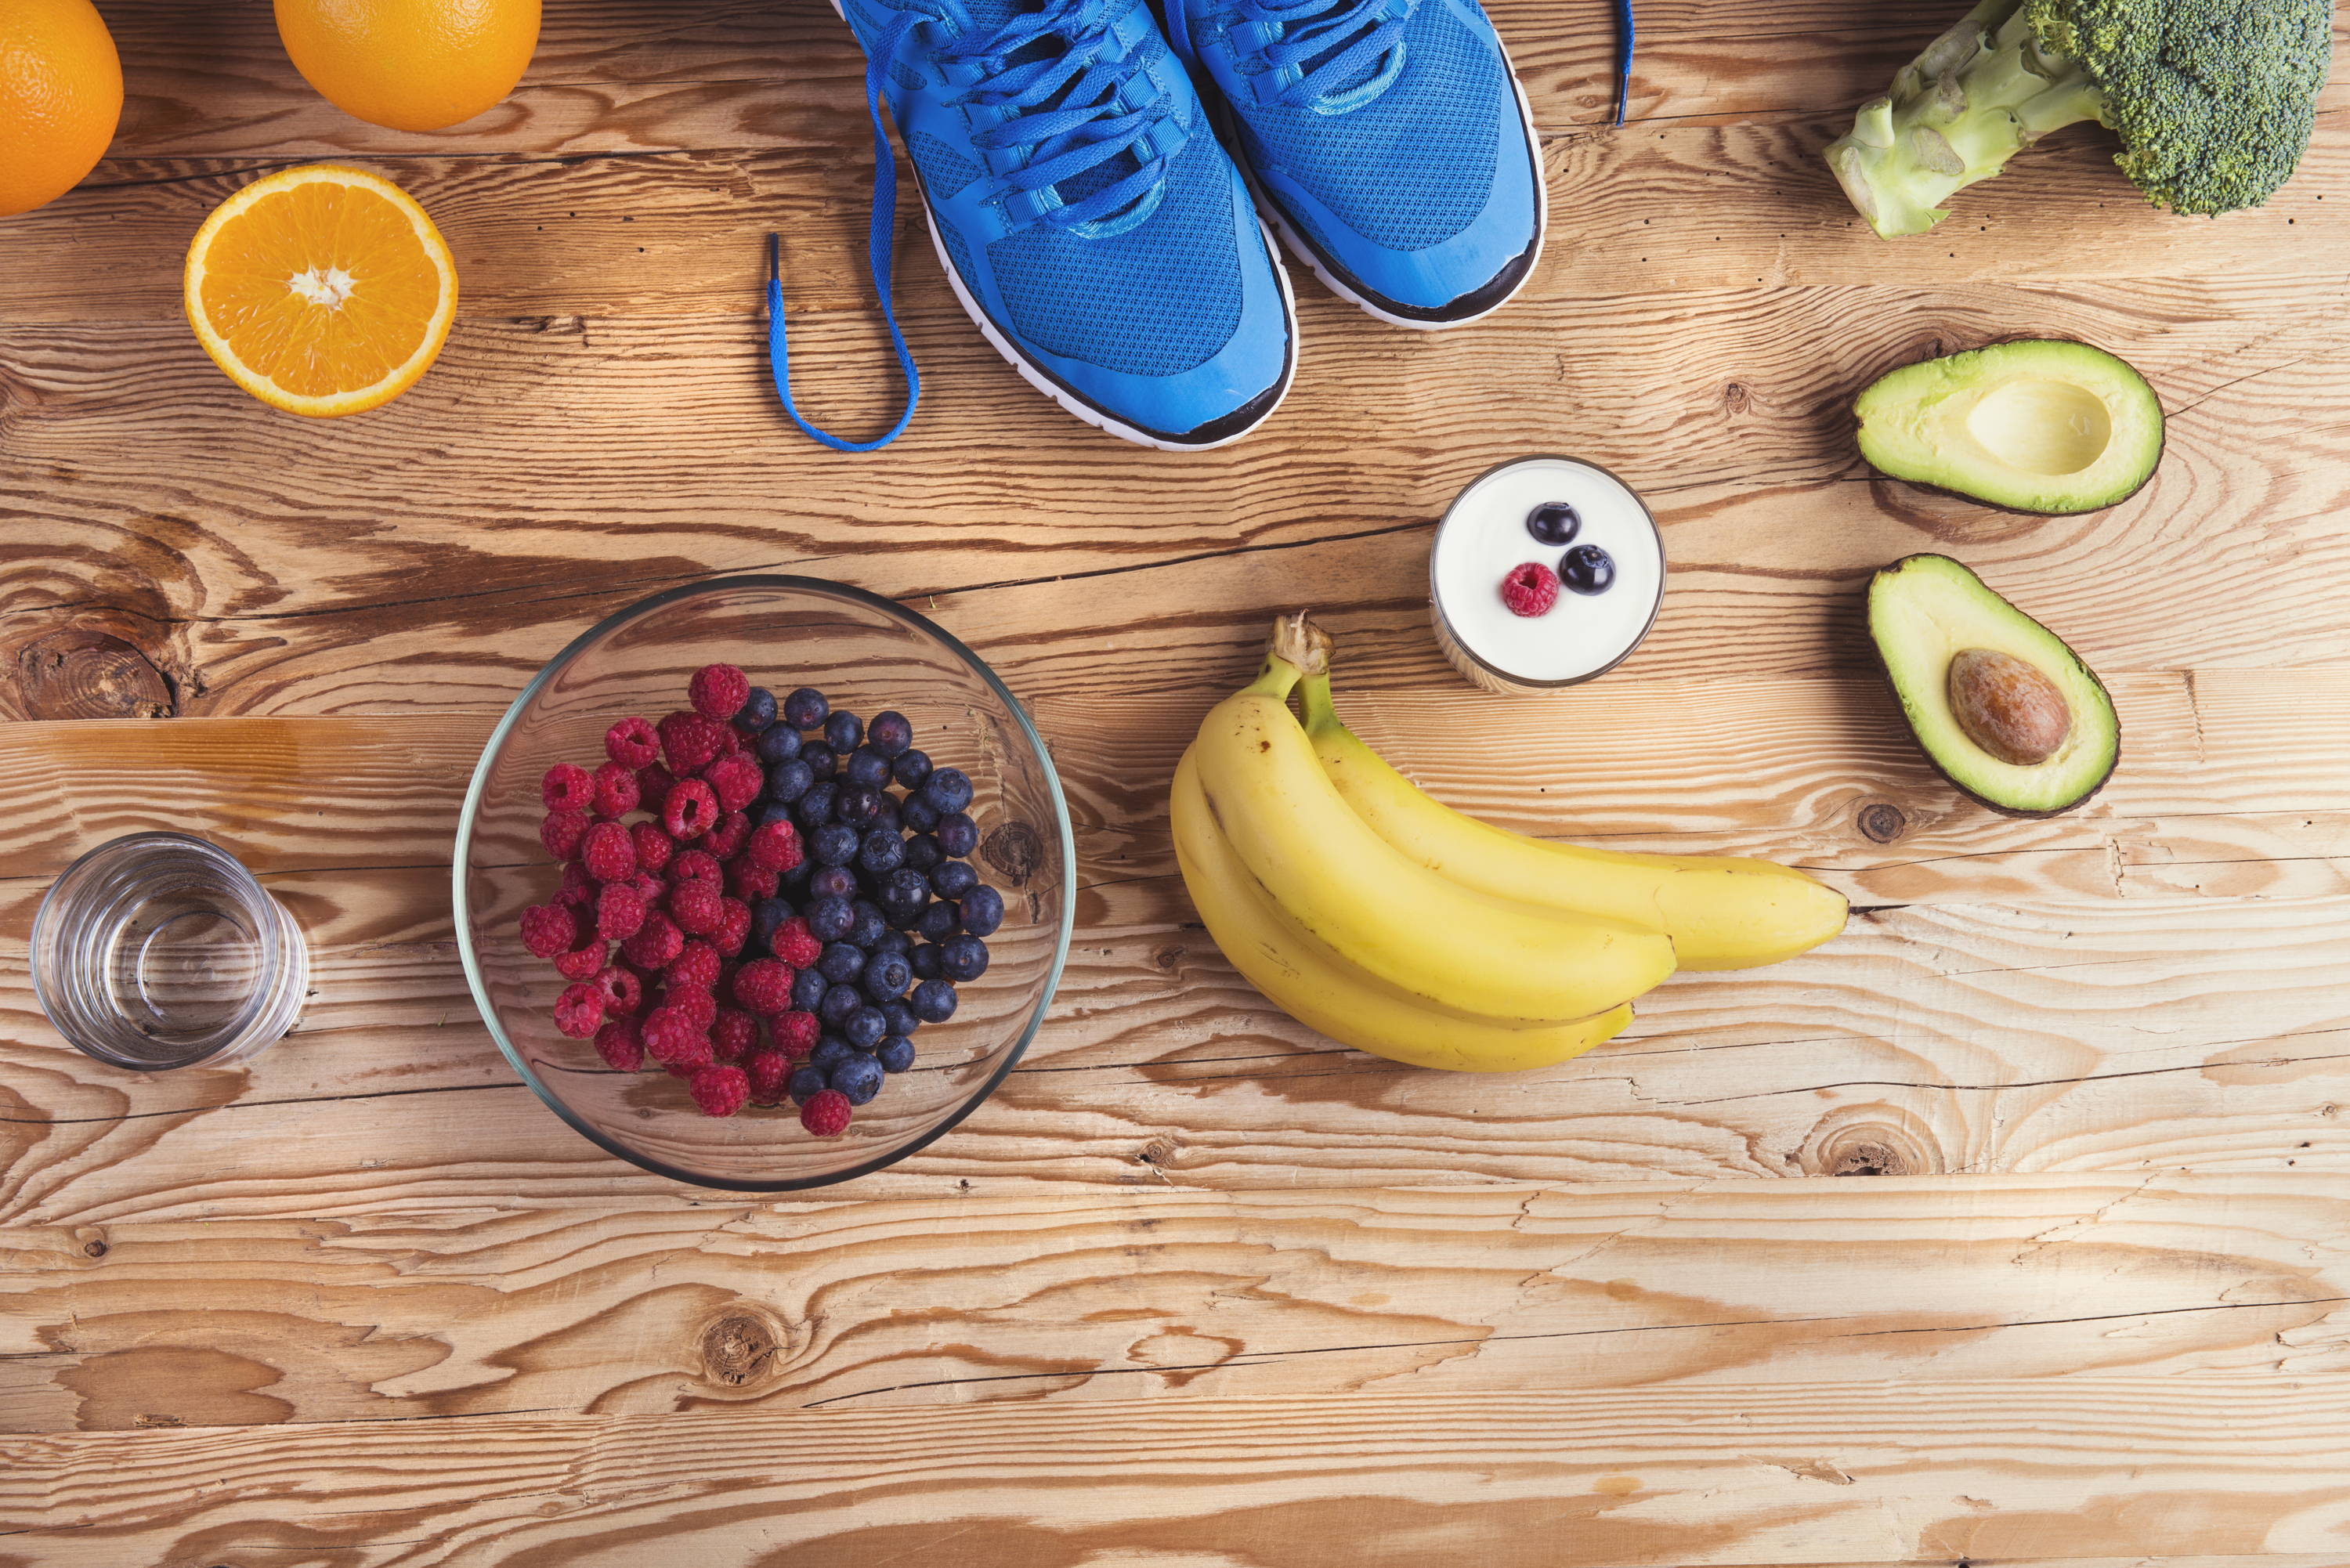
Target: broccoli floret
column 2212, row 99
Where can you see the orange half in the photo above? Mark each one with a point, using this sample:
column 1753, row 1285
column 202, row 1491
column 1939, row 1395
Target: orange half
column 322, row 291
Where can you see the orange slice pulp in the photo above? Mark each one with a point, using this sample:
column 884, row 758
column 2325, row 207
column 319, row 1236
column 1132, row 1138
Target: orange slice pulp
column 323, row 290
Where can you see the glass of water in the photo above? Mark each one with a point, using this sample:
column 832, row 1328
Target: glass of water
column 159, row 950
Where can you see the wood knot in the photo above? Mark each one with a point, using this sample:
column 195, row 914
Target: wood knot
column 80, row 673
column 1734, row 397
column 94, row 1250
column 1158, row 1151
column 739, row 1349
column 1014, row 849
column 1882, row 821
column 1871, row 1140
column 1167, row 958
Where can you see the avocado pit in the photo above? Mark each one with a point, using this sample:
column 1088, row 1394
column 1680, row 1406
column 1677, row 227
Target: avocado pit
column 2007, row 707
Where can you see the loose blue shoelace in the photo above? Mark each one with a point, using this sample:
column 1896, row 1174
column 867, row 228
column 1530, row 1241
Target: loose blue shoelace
column 1064, row 125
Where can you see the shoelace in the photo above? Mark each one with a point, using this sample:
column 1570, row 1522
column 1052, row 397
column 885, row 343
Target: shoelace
column 1065, row 123
column 1332, row 43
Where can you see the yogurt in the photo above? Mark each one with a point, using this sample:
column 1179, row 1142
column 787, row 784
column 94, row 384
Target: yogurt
column 1484, row 535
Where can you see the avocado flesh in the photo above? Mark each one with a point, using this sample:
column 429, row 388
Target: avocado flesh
column 2040, row 426
column 1925, row 610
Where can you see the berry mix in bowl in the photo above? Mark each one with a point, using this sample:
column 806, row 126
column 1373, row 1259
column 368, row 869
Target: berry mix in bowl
column 764, row 940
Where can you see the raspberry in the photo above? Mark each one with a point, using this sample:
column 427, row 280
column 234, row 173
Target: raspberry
column 621, row 1045
column 620, row 912
column 689, row 743
column 562, row 831
column 733, row 1034
column 689, row 811
column 610, row 852
column 654, row 846
column 623, row 992
column 775, row 847
column 747, row 882
column 672, row 1035
column 734, row 926
column 726, row 836
column 653, row 783
column 795, row 1033
column 657, row 941
column 631, row 742
column 697, row 1005
column 582, row 964
column 697, row 866
column 694, row 905
column 766, row 1071
column 826, row 1113
column 764, row 985
column 736, row 781
column 718, row 690
column 579, row 889
column 730, row 739
column 694, row 969
column 719, row 1091
column 616, row 790
column 796, row 944
column 550, row 931
column 1529, row 589
column 566, row 787
column 579, row 1011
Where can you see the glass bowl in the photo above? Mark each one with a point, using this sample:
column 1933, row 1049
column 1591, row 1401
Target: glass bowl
column 866, row 654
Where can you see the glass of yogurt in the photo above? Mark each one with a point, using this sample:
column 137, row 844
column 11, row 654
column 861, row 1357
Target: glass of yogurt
column 1546, row 571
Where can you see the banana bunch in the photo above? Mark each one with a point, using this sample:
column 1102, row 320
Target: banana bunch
column 1392, row 923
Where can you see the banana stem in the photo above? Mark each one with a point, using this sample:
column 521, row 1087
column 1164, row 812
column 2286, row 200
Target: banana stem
column 1313, row 703
column 1296, row 650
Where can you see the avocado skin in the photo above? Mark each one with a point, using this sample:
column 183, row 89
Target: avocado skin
column 1893, row 684
column 2153, row 463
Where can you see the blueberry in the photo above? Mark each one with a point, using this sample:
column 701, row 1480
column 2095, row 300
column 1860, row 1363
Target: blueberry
column 958, row 834
column 857, row 807
column 1554, row 523
column 806, row 1079
column 867, row 768
column 892, row 942
column 887, row 976
column 1586, row 570
column 881, row 851
column 841, row 963
column 777, row 744
column 900, row 1016
column 843, row 731
column 948, row 789
column 831, row 1051
column 832, row 882
column 833, row 844
column 807, row 990
column 953, row 879
column 838, row 1003
column 788, row 780
column 905, row 892
column 767, row 916
column 758, row 711
column 887, row 818
column 830, row 919
column 934, row 1002
column 896, row 1052
column 820, row 758
column 982, row 910
column 919, row 815
column 805, row 708
column 815, row 804
column 870, row 926
column 858, row 1077
column 890, row 733
column 963, row 957
column 768, row 811
column 922, row 852
column 925, row 960
column 910, row 768
column 865, row 1027
column 939, row 923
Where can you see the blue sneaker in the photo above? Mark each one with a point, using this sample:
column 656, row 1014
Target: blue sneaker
column 1085, row 213
column 1389, row 139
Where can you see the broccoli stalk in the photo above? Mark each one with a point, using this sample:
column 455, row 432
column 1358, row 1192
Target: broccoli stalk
column 2212, row 99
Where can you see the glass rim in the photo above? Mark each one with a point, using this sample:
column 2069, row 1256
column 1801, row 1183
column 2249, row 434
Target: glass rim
column 822, row 587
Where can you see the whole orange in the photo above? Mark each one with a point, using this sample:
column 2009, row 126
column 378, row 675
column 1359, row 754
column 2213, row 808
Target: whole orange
column 60, row 99
column 413, row 65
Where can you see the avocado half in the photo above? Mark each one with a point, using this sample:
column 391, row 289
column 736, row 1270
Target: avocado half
column 1924, row 612
column 2038, row 425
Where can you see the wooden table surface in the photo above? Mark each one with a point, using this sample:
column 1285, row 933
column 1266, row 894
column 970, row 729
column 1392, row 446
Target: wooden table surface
column 1197, row 1288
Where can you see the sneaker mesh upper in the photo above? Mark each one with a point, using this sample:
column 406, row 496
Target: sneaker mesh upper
column 1413, row 167
column 944, row 171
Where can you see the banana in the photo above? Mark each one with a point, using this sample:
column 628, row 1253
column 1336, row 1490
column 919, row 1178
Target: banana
column 1313, row 985
column 1721, row 912
column 1376, row 907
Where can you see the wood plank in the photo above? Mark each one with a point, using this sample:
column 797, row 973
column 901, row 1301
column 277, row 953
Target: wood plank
column 617, row 1309
column 2094, row 1467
